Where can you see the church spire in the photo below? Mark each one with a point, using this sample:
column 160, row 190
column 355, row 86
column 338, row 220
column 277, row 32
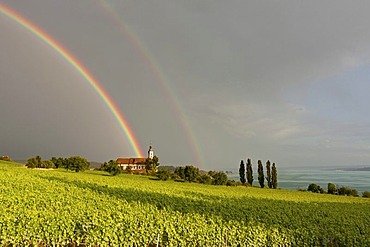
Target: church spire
column 150, row 153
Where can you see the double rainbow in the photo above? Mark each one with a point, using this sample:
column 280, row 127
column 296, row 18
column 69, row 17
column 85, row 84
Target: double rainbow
column 80, row 69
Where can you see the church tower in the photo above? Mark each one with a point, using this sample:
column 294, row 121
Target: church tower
column 150, row 153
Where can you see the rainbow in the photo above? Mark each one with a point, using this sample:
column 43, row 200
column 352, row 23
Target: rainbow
column 161, row 79
column 80, row 69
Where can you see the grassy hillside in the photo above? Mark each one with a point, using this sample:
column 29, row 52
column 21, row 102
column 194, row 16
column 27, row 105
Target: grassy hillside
column 59, row 207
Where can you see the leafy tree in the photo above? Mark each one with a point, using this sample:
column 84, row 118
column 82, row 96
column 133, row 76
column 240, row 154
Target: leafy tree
column 242, row 172
column 249, row 172
column 219, row 178
column 58, row 162
column 191, row 173
column 366, row 194
column 77, row 164
column 205, row 179
column 32, row 163
column 47, row 164
column 180, row 171
column 268, row 174
column 151, row 165
column 274, row 176
column 261, row 177
column 332, row 189
column 313, row 188
column 231, row 183
column 354, row 192
column 164, row 174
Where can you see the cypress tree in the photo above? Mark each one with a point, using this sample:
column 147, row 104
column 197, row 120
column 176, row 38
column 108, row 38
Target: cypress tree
column 274, row 176
column 242, row 172
column 249, row 172
column 261, row 177
column 268, row 174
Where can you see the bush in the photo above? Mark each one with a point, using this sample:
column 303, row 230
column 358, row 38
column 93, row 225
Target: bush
column 205, row 179
column 164, row 174
column 230, row 183
column 366, row 194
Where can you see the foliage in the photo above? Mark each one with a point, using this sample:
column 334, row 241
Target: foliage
column 366, row 194
column 249, row 172
column 59, row 162
column 191, row 173
column 242, row 172
column 332, row 189
column 268, row 174
column 261, row 177
column 180, row 171
column 61, row 208
column 36, row 162
column 219, row 178
column 111, row 167
column 315, row 188
column 164, row 174
column 77, row 164
column 274, row 176
column 151, row 165
column 346, row 191
column 205, row 179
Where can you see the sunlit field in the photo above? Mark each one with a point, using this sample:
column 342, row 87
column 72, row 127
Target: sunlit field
column 58, row 207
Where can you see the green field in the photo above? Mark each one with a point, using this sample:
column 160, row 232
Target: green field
column 58, row 207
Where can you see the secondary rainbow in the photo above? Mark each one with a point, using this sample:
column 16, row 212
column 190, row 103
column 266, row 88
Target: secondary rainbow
column 80, row 69
column 161, row 79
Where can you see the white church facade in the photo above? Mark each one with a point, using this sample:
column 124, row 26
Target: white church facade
column 136, row 164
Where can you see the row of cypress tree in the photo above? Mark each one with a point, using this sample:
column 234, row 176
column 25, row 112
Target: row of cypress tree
column 246, row 175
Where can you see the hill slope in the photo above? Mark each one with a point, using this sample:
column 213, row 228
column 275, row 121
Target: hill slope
column 61, row 207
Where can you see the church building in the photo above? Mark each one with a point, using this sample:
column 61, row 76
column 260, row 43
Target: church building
column 136, row 164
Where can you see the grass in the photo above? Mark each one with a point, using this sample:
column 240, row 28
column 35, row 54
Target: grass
column 94, row 208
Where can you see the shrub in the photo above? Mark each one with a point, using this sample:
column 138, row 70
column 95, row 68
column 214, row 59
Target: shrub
column 366, row 194
column 164, row 174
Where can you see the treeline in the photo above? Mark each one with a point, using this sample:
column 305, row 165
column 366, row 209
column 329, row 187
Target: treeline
column 74, row 163
column 336, row 190
column 246, row 174
column 193, row 174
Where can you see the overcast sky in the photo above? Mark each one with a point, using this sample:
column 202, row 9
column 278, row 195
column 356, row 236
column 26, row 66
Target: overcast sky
column 287, row 81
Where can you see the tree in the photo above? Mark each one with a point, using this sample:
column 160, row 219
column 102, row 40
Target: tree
column 151, row 165
column 180, row 171
column 164, row 174
column 313, row 188
column 219, row 178
column 58, row 162
column 242, row 172
column 32, row 163
column 274, row 176
column 366, row 194
column 113, row 168
column 332, row 189
column 47, row 164
column 205, row 179
column 261, row 177
column 268, row 174
column 249, row 172
column 191, row 173
column 77, row 164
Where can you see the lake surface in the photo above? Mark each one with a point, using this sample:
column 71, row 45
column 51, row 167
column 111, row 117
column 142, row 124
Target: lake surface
column 300, row 178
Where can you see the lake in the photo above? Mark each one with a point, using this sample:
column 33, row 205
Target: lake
column 300, row 178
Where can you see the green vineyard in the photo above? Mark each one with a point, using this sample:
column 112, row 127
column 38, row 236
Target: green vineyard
column 60, row 208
